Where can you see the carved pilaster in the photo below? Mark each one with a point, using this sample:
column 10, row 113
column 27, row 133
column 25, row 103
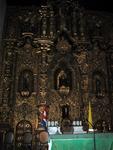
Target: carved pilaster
column 82, row 21
column 8, row 66
column 5, row 114
column 52, row 23
column 45, row 47
column 43, row 13
column 81, row 58
column 62, row 20
column 109, row 59
column 74, row 27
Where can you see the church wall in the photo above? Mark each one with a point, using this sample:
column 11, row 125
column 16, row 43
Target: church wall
column 2, row 17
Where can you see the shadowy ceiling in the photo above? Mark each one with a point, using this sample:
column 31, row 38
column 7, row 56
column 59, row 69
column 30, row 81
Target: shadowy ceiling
column 101, row 5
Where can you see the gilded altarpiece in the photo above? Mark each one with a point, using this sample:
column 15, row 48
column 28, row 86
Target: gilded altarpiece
column 49, row 60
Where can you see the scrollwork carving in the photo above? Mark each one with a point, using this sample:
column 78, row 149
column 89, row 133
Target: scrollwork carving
column 82, row 61
column 28, row 21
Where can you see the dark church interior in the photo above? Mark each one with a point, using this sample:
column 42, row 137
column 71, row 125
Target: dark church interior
column 56, row 75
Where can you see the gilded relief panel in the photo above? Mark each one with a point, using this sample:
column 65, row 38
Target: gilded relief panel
column 51, row 64
column 56, row 103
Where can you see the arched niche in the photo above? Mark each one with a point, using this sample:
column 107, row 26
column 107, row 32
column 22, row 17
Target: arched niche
column 99, row 84
column 25, row 83
column 63, row 80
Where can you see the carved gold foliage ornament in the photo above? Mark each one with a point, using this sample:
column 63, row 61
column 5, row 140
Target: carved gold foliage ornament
column 52, row 112
column 85, row 83
column 81, row 57
column 63, row 46
column 25, row 111
column 5, row 114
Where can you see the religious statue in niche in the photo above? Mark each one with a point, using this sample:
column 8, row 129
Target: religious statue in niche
column 26, row 83
column 63, row 81
column 99, row 85
column 65, row 111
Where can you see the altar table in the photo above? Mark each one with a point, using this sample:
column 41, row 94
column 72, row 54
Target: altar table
column 87, row 141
